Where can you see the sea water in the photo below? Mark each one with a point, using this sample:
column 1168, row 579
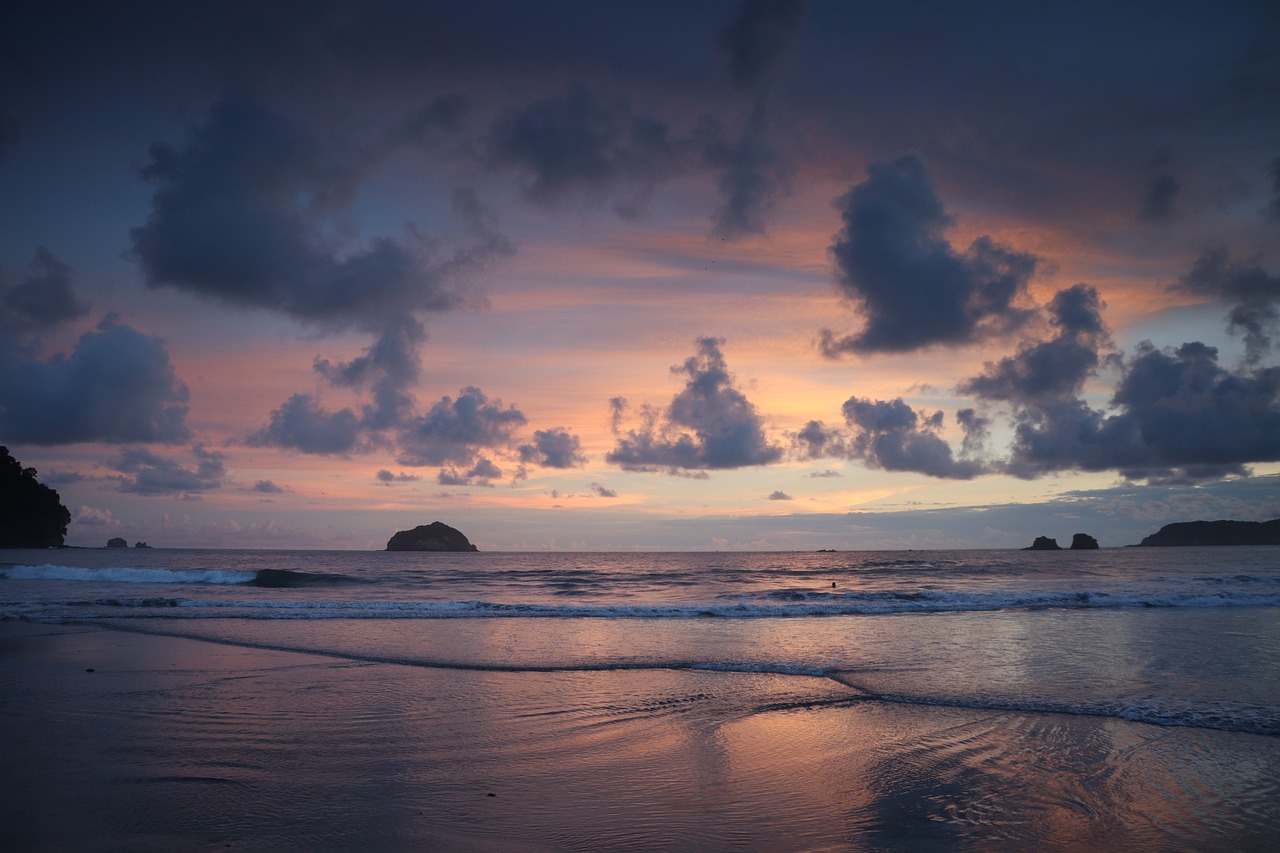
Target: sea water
column 873, row 699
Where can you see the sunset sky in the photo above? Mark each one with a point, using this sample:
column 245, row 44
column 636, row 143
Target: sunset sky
column 641, row 275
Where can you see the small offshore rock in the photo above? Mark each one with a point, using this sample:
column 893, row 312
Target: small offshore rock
column 1044, row 543
column 1083, row 542
column 436, row 536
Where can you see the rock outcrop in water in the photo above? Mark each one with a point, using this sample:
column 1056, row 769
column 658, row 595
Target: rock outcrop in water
column 1216, row 533
column 436, row 536
column 1083, row 542
column 117, row 542
column 31, row 513
column 1044, row 543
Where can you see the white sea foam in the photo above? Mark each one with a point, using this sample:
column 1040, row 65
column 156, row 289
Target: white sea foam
column 126, row 574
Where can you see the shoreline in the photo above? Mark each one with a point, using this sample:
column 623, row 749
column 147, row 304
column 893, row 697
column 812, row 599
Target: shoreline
column 121, row 740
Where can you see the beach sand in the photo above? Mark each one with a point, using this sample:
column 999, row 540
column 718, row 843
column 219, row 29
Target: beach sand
column 127, row 741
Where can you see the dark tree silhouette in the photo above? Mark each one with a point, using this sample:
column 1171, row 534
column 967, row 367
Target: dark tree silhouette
column 31, row 514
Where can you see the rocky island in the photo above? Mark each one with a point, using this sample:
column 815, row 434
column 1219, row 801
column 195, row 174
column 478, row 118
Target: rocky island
column 1079, row 542
column 1216, row 533
column 436, row 536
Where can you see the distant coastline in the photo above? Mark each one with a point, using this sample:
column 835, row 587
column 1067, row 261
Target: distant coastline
column 1215, row 533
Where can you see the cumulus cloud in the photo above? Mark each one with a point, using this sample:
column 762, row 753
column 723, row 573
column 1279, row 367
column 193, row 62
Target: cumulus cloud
column 151, row 474
column 267, row 487
column 553, row 448
column 779, row 496
column 388, row 367
column 387, row 478
column 602, row 492
column 43, row 299
column 1252, row 292
column 1055, row 367
column 912, row 287
column 581, row 142
column 302, row 424
column 710, row 424
column 890, row 435
column 893, row 436
column 240, row 215
column 1179, row 416
column 481, row 473
column 116, row 386
column 455, row 430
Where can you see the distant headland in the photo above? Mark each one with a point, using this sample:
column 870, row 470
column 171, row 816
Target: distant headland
column 436, row 536
column 1216, row 533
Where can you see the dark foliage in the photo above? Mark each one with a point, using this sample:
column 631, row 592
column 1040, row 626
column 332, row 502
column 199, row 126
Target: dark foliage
column 31, row 514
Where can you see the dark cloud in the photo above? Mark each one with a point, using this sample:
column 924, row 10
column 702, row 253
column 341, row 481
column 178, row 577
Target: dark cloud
column 913, row 289
column 116, row 386
column 893, row 436
column 455, row 430
column 553, row 448
column 580, row 142
column 751, row 176
column 150, row 474
column 386, row 477
column 482, row 473
column 816, row 441
column 1157, row 201
column 268, row 487
column 240, row 215
column 779, row 496
column 710, row 424
column 10, row 133
column 301, row 424
column 1180, row 417
column 756, row 39
column 1274, row 207
column 1052, row 368
column 602, row 492
column 825, row 474
column 1252, row 292
column 443, row 116
column 388, row 367
column 43, row 299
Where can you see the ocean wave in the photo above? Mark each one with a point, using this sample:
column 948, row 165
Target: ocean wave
column 268, row 578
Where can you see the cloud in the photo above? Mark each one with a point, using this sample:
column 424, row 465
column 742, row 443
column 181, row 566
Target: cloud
column 10, row 133
column 1179, row 417
column 602, row 492
column 389, row 367
column 1254, row 295
column 913, row 289
column 553, row 448
column 243, row 212
column 824, row 474
column 893, row 436
column 751, row 176
column 454, row 430
column 43, row 299
column 150, row 474
column 754, row 42
column 779, row 496
column 580, row 142
column 482, row 473
column 387, row 478
column 1157, row 201
column 301, row 424
column 269, row 488
column 1274, row 207
column 1052, row 368
column 117, row 386
column 710, row 424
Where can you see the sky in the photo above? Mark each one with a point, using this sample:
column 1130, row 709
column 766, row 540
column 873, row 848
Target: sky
column 767, row 275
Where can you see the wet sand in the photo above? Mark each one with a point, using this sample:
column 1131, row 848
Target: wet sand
column 124, row 741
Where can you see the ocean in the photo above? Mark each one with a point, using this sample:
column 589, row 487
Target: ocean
column 929, row 700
